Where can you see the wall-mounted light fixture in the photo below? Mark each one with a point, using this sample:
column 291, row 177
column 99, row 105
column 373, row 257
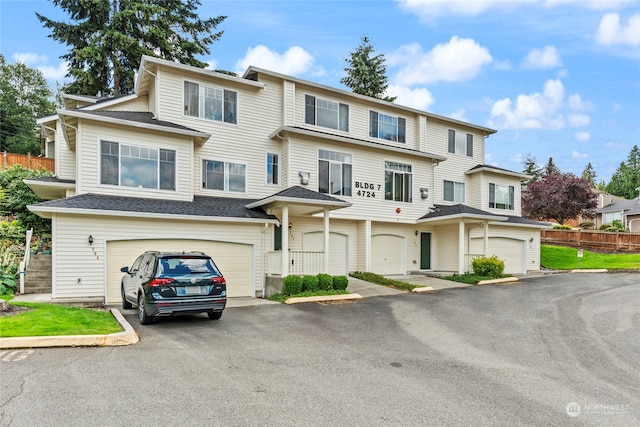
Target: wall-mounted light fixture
column 416, row 232
column 290, row 225
column 304, row 177
column 90, row 240
column 531, row 240
column 424, row 193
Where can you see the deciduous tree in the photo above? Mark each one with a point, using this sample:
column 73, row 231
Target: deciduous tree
column 559, row 197
column 108, row 38
column 367, row 72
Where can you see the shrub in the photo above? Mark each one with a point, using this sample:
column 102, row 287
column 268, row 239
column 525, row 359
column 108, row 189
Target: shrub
column 292, row 285
column 325, row 282
column 586, row 225
column 8, row 269
column 309, row 283
column 340, row 283
column 562, row 227
column 488, row 266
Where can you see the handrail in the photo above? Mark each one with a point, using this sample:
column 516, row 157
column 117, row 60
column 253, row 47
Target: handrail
column 25, row 260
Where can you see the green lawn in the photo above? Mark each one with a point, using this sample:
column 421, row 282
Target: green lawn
column 55, row 319
column 564, row 258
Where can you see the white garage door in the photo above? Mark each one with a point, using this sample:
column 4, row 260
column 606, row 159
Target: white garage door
column 511, row 251
column 387, row 254
column 338, row 250
column 234, row 260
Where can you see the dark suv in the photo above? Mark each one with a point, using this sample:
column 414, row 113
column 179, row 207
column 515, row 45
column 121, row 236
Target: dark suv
column 167, row 283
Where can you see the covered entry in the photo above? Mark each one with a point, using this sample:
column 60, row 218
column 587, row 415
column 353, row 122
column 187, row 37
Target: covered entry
column 235, row 261
column 338, row 250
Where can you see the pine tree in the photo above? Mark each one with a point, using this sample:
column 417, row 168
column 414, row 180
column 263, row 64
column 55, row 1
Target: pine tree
column 589, row 175
column 366, row 73
column 532, row 169
column 551, row 168
column 108, row 38
column 625, row 181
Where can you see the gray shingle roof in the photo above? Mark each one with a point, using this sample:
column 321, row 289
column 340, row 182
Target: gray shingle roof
column 136, row 116
column 54, row 179
column 621, row 205
column 202, row 206
column 297, row 192
column 445, row 210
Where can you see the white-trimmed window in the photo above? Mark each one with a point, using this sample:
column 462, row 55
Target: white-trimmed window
column 398, row 182
column 273, row 168
column 334, row 173
column 137, row 166
column 609, row 217
column 460, row 143
column 454, row 191
column 389, row 128
column 325, row 113
column 208, row 102
column 226, row 176
column 501, row 196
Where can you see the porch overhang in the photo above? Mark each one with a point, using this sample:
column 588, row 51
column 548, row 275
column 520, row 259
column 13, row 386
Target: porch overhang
column 51, row 188
column 441, row 214
column 300, row 201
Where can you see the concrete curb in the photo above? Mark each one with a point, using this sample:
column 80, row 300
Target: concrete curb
column 423, row 289
column 126, row 337
column 593, row 270
column 504, row 280
column 345, row 297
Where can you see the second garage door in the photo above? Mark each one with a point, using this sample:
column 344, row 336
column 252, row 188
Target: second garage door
column 511, row 251
column 235, row 261
column 388, row 254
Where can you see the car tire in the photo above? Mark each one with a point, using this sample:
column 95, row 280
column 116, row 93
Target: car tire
column 144, row 318
column 215, row 315
column 125, row 304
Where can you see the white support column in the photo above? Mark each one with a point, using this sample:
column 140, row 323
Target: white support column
column 367, row 245
column 485, row 230
column 326, row 241
column 284, row 229
column 461, row 255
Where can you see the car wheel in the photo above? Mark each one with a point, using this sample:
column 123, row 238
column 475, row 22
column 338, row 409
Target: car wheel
column 125, row 304
column 142, row 314
column 215, row 315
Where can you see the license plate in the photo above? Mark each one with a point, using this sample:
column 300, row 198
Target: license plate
column 192, row 290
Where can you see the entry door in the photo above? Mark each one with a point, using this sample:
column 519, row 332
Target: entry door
column 425, row 251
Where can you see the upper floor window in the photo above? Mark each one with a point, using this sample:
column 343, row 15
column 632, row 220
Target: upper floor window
column 329, row 114
column 208, row 102
column 460, row 143
column 137, row 166
column 226, row 176
column 454, row 191
column 398, row 181
column 334, row 172
column 272, row 168
column 501, row 196
column 391, row 128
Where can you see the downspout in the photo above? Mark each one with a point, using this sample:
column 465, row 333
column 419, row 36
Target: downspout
column 264, row 282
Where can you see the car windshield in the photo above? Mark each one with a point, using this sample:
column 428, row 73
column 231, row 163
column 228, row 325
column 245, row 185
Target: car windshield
column 187, row 265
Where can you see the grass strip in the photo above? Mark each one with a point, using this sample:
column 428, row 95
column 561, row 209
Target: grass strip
column 283, row 297
column 565, row 258
column 381, row 280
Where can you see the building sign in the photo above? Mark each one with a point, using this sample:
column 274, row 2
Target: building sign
column 367, row 189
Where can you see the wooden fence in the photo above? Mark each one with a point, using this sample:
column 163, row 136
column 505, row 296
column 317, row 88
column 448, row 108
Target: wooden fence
column 588, row 239
column 28, row 161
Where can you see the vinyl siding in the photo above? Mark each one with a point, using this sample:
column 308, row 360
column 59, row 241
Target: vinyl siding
column 65, row 157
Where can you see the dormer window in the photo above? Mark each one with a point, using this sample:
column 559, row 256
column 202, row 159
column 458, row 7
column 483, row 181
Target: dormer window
column 326, row 113
column 208, row 102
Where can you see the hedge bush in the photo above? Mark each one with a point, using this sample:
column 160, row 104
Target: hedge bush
column 309, row 283
column 340, row 283
column 292, row 285
column 488, row 266
column 325, row 282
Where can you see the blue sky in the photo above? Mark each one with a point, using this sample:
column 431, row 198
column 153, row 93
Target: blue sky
column 555, row 78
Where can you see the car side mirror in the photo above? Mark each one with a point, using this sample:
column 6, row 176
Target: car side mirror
column 125, row 269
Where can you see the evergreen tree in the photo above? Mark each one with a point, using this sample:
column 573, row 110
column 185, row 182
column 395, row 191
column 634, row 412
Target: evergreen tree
column 625, row 181
column 551, row 168
column 589, row 175
column 24, row 96
column 366, row 73
column 532, row 169
column 108, row 38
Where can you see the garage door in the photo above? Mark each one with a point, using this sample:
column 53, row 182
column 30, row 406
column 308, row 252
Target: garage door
column 511, row 251
column 338, row 250
column 388, row 254
column 234, row 260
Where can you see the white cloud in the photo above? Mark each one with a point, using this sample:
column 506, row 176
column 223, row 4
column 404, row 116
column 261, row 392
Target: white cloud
column 611, row 32
column 50, row 72
column 29, row 58
column 544, row 58
column 582, row 136
column 539, row 110
column 455, row 61
column 502, row 65
column 294, row 61
column 419, row 98
column 211, row 64
column 516, row 158
column 459, row 115
column 430, row 9
column 576, row 103
column 578, row 155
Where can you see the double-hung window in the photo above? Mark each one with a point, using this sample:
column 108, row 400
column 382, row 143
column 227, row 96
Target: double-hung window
column 272, row 168
column 325, row 113
column 398, row 181
column 226, row 176
column 334, row 172
column 212, row 103
column 460, row 143
column 501, row 196
column 137, row 166
column 454, row 191
column 390, row 128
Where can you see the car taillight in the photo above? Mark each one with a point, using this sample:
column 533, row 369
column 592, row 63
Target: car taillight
column 160, row 282
column 219, row 280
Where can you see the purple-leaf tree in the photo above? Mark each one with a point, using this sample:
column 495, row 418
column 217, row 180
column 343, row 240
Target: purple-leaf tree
column 558, row 196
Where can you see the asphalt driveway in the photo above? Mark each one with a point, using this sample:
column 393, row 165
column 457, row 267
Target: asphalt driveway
column 551, row 350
